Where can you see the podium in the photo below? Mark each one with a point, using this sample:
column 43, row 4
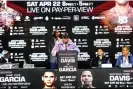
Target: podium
column 67, row 69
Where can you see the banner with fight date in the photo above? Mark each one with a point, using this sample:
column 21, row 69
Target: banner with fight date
column 25, row 78
column 80, row 79
column 67, row 69
column 87, row 23
column 105, row 78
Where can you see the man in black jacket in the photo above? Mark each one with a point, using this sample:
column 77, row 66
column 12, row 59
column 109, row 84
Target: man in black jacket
column 55, row 39
column 100, row 59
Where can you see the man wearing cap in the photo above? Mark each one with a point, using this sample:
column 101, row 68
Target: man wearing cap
column 64, row 44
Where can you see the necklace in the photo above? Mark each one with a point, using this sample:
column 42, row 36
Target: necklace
column 122, row 19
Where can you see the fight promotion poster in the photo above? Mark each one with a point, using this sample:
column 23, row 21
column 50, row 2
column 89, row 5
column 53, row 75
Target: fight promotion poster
column 91, row 24
column 105, row 78
column 27, row 78
column 40, row 78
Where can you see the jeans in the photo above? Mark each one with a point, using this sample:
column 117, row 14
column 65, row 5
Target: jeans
column 53, row 62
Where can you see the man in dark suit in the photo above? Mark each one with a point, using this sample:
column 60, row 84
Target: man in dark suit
column 100, row 59
column 55, row 39
column 125, row 58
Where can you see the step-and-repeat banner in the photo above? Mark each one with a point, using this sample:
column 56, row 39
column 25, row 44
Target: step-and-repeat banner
column 40, row 78
column 90, row 24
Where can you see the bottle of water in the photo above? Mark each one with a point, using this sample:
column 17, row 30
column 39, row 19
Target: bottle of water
column 99, row 63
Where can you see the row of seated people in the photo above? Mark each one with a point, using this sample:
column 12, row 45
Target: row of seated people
column 66, row 43
column 124, row 60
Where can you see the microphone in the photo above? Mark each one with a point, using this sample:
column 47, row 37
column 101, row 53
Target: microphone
column 66, row 47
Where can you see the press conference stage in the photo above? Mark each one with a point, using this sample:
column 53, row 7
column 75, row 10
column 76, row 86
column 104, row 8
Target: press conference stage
column 66, row 44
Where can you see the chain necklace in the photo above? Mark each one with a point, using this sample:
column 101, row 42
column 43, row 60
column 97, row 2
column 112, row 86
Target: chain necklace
column 122, row 19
